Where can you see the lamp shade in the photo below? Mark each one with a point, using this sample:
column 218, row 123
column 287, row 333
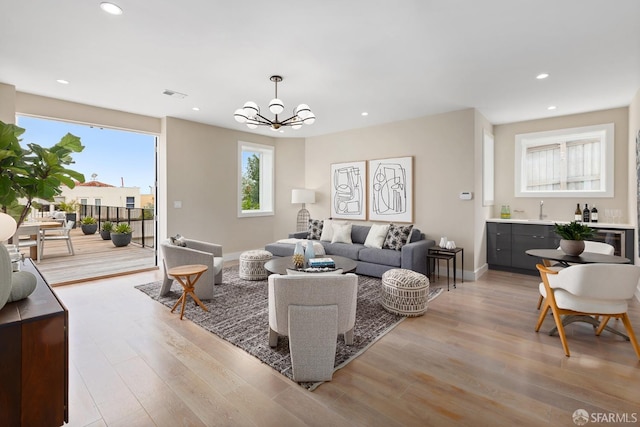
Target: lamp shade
column 8, row 226
column 303, row 196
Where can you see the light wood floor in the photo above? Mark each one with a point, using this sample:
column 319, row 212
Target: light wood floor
column 93, row 258
column 473, row 359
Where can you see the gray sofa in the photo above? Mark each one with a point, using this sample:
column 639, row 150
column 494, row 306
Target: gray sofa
column 371, row 261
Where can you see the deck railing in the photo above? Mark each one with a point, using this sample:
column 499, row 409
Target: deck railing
column 140, row 219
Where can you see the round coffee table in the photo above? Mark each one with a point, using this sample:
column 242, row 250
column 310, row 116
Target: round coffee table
column 280, row 265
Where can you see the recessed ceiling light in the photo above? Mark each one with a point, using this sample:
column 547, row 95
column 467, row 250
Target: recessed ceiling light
column 63, row 82
column 195, row 109
column 364, row 113
column 551, row 107
column 542, row 76
column 111, row 8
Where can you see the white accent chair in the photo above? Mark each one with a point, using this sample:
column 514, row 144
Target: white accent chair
column 589, row 246
column 583, row 291
column 195, row 252
column 52, row 234
column 312, row 309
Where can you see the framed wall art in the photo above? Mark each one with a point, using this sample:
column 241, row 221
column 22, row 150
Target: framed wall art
column 391, row 189
column 348, row 191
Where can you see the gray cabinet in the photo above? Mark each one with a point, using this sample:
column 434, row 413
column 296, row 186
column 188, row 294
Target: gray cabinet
column 507, row 243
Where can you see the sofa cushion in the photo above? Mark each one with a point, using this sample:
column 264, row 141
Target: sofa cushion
column 376, row 236
column 343, row 249
column 327, row 229
column 397, row 236
column 315, row 229
column 341, row 233
column 381, row 256
column 359, row 233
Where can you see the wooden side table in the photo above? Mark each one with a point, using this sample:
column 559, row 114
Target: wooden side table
column 191, row 274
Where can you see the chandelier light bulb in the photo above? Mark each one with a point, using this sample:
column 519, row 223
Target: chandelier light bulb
column 240, row 116
column 251, row 109
column 276, row 106
column 303, row 111
column 311, row 119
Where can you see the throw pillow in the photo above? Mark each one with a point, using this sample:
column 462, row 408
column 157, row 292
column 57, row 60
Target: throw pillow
column 341, row 233
column 376, row 236
column 397, row 236
column 327, row 229
column 315, row 229
column 178, row 240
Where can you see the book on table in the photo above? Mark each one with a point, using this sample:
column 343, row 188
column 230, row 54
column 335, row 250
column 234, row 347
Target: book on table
column 322, row 262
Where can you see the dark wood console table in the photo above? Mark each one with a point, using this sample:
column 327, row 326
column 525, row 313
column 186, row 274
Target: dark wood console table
column 34, row 358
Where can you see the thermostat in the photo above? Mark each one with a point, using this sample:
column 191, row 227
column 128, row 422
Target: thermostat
column 466, row 195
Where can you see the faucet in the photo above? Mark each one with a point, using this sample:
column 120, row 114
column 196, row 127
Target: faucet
column 541, row 206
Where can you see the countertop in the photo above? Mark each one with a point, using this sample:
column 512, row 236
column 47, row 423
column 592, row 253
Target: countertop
column 551, row 222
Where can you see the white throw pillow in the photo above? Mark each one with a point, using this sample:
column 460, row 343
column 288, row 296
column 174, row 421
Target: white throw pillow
column 376, row 236
column 327, row 229
column 341, row 233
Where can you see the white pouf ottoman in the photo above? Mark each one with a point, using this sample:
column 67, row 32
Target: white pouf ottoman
column 405, row 292
column 252, row 264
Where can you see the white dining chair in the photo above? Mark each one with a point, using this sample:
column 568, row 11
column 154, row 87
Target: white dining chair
column 53, row 234
column 24, row 237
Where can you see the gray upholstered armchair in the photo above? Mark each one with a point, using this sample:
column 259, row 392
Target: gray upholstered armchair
column 312, row 309
column 195, row 252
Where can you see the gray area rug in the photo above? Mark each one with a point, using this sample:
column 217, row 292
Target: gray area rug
column 239, row 314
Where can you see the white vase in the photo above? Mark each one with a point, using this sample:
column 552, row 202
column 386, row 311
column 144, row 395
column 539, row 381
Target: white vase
column 443, row 242
column 309, row 253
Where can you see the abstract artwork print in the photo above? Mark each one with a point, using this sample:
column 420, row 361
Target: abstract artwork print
column 391, row 189
column 348, row 195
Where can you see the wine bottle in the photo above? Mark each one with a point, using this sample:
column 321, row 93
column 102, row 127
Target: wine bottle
column 586, row 214
column 578, row 214
column 594, row 214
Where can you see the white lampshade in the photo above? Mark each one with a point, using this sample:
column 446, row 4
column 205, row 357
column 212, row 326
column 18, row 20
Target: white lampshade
column 8, row 226
column 240, row 116
column 276, row 106
column 296, row 126
column 250, row 108
column 303, row 196
column 303, row 111
column 311, row 119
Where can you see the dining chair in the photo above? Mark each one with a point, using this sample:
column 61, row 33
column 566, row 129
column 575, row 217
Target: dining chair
column 53, row 234
column 587, row 290
column 27, row 236
column 589, row 246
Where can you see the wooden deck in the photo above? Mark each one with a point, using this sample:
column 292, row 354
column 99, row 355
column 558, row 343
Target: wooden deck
column 94, row 258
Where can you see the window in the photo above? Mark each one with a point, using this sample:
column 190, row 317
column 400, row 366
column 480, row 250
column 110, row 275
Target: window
column 575, row 162
column 83, row 201
column 255, row 179
column 131, row 202
column 97, row 202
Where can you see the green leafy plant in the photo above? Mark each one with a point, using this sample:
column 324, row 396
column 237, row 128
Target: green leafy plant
column 573, row 231
column 69, row 207
column 123, row 228
column 107, row 226
column 34, row 172
column 88, row 220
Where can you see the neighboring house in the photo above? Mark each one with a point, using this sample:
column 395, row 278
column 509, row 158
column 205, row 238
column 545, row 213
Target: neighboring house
column 96, row 193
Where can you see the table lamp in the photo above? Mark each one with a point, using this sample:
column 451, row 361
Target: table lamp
column 303, row 196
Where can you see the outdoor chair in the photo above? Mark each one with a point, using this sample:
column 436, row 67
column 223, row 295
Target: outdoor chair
column 312, row 309
column 586, row 292
column 27, row 236
column 53, row 234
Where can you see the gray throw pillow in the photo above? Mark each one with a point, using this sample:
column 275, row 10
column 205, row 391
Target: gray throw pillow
column 178, row 240
column 315, row 229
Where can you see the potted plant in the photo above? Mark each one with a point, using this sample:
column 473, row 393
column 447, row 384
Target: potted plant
column 70, row 209
column 89, row 225
column 572, row 237
column 106, row 229
column 121, row 235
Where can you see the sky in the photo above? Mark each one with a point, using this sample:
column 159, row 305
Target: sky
column 113, row 155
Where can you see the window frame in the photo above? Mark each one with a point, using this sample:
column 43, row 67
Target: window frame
column 267, row 179
column 603, row 131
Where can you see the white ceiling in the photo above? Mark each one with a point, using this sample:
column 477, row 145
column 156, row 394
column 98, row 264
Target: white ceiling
column 394, row 59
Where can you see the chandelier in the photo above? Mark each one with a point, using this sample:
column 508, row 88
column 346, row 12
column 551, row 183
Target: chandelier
column 250, row 113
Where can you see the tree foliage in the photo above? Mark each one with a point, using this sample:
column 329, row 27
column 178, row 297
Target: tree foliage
column 251, row 184
column 34, row 172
